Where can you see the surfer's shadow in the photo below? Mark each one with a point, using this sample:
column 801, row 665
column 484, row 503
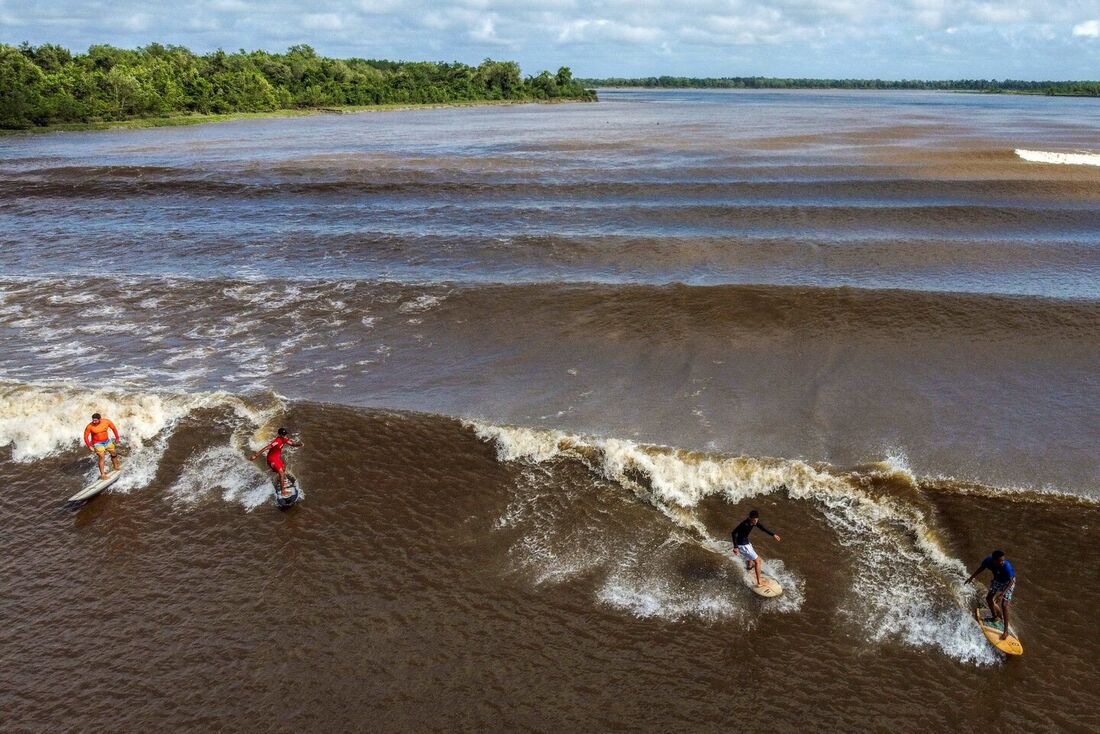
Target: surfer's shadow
column 77, row 467
column 702, row 569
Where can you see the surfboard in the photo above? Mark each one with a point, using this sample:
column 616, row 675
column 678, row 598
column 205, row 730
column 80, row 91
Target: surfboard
column 96, row 487
column 769, row 588
column 992, row 631
column 293, row 498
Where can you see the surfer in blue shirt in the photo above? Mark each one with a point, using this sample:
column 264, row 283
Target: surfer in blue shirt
column 1000, row 591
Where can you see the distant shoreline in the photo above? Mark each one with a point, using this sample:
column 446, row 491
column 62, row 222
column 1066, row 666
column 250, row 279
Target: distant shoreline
column 841, row 89
column 182, row 120
column 976, row 86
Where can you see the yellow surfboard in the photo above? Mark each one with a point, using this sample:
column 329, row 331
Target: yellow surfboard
column 992, row 630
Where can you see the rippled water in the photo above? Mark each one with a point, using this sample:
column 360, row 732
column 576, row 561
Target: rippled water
column 543, row 358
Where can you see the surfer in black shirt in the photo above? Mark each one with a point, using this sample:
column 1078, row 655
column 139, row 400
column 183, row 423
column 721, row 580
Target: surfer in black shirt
column 742, row 546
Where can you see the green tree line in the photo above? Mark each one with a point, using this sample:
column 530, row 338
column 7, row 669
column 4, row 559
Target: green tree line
column 48, row 84
column 1083, row 89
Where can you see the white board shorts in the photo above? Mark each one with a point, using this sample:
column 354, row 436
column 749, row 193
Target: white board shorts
column 747, row 552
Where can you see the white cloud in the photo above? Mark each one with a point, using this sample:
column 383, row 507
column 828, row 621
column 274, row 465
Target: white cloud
column 380, row 7
column 323, row 22
column 1000, row 13
column 435, row 21
column 884, row 38
column 930, row 14
column 1088, row 29
column 766, row 26
column 136, row 22
column 585, row 31
column 484, row 31
column 228, row 6
column 203, row 24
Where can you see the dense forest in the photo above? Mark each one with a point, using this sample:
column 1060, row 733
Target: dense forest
column 48, row 84
column 1083, row 89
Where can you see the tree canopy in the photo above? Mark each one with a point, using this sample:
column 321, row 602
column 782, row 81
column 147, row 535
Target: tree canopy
column 48, row 84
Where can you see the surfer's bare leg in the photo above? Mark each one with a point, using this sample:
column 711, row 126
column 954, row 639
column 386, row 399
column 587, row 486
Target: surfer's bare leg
column 100, row 458
column 1004, row 618
column 992, row 604
column 756, row 568
column 282, row 482
column 114, row 461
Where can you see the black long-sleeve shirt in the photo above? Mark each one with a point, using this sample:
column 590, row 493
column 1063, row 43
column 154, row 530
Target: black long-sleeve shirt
column 741, row 532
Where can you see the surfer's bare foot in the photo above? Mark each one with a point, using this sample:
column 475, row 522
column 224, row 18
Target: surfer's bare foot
column 102, row 476
column 1004, row 635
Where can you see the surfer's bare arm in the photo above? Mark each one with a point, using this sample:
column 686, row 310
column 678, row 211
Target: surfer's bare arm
column 974, row 575
column 296, row 444
column 261, row 451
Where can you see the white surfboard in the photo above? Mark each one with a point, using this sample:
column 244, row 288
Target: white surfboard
column 96, row 487
column 296, row 494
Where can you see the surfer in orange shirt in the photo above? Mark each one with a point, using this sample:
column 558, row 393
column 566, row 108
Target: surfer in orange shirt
column 99, row 442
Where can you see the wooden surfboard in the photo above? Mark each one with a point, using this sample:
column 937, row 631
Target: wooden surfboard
column 992, row 631
column 769, row 588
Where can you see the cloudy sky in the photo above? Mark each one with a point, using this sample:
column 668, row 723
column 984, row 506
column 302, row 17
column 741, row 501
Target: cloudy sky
column 890, row 39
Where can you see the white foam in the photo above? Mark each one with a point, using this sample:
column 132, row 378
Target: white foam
column 896, row 464
column 222, row 469
column 43, row 420
column 195, row 353
column 657, row 597
column 916, row 622
column 72, row 298
column 1069, row 159
column 420, row 304
column 521, row 443
column 40, row 421
column 892, row 540
column 105, row 327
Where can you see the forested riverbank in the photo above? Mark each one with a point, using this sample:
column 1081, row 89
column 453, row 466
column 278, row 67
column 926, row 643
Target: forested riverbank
column 993, row 86
column 49, row 85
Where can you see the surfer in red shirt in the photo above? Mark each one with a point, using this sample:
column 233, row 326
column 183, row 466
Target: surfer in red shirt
column 274, row 452
column 99, row 442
